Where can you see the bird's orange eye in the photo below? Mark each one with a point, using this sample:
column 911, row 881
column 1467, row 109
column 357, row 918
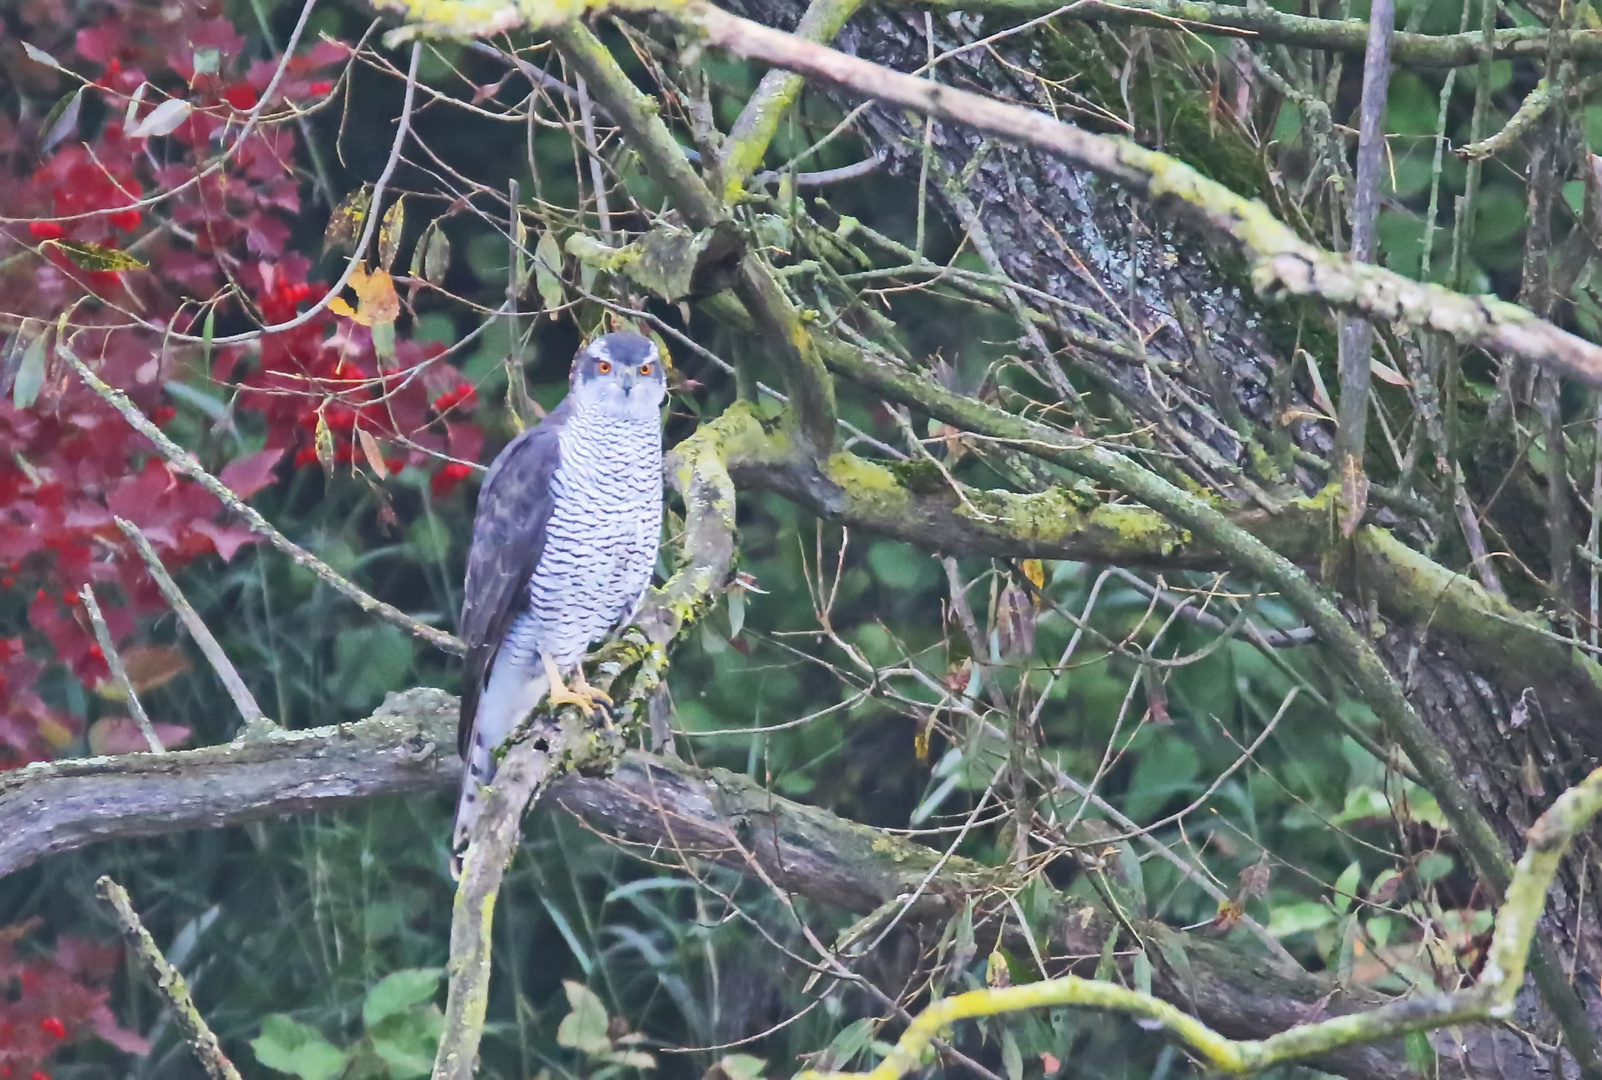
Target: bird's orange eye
column 604, row 367
column 645, row 369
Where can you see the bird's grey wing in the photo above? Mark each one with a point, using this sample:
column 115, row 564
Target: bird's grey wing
column 514, row 508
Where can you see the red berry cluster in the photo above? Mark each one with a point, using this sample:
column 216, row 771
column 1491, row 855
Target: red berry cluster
column 53, row 999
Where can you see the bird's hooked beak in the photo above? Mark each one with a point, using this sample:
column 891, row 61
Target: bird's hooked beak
column 628, row 377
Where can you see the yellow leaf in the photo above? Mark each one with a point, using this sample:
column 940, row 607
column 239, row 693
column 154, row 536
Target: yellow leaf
column 148, row 667
column 98, row 256
column 390, row 228
column 375, row 460
column 323, row 441
column 1035, row 571
column 997, row 973
column 55, row 733
column 345, row 224
column 920, row 745
column 376, row 301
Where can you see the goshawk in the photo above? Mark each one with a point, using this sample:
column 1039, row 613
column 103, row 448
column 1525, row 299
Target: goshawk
column 564, row 543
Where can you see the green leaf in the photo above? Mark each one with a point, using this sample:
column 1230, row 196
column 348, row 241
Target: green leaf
column 1420, row 1054
column 1107, row 965
column 1011, row 1056
column 846, row 1045
column 30, row 374
column 207, row 329
column 630, row 1059
column 407, row 1041
column 432, row 256
column 548, row 270
column 1299, row 918
column 1171, row 947
column 1346, row 888
column 1140, row 972
column 398, row 991
column 289, row 1046
column 584, row 1027
column 740, row 1067
column 1434, row 866
column 383, row 339
column 61, row 121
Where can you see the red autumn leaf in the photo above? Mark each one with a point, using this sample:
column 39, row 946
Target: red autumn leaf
column 247, row 475
column 226, row 539
column 121, row 735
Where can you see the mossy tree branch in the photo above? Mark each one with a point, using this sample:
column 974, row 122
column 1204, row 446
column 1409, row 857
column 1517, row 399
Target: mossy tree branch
column 757, row 123
column 650, row 802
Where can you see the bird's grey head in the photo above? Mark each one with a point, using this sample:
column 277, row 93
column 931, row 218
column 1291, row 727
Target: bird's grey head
column 621, row 374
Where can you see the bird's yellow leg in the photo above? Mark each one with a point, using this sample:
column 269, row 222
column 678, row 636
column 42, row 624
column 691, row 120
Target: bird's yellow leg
column 581, row 693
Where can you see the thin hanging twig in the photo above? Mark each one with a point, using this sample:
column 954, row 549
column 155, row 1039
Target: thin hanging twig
column 244, row 700
column 119, row 673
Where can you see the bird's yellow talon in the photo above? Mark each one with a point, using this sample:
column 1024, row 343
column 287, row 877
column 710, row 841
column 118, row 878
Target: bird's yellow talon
column 581, row 693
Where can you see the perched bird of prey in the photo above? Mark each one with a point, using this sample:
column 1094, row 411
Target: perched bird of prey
column 564, row 543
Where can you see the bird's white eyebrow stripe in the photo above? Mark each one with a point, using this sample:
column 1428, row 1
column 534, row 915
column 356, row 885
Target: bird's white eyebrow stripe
column 602, row 350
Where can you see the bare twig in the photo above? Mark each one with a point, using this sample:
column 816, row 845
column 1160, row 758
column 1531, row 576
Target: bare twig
column 167, row 980
column 244, row 700
column 1356, row 333
column 119, row 674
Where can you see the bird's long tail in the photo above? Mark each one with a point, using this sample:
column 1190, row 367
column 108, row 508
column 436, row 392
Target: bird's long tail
column 514, row 689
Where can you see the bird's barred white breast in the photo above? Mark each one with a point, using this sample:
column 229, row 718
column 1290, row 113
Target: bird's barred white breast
column 601, row 542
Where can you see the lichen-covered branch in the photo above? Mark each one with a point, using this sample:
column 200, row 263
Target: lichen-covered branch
column 757, row 123
column 523, row 773
column 168, row 981
column 483, row 18
column 650, row 802
column 1491, row 997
